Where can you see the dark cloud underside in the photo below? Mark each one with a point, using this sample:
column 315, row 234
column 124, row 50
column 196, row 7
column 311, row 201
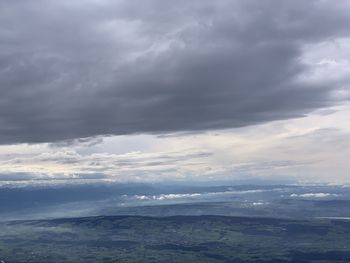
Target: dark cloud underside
column 85, row 68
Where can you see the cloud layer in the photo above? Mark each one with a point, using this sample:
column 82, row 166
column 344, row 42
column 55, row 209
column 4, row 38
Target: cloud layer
column 313, row 149
column 68, row 165
column 74, row 70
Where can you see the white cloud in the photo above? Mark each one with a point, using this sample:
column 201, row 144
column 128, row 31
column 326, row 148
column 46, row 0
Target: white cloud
column 167, row 196
column 314, row 195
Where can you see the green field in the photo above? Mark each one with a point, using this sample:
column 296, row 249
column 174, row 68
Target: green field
column 175, row 239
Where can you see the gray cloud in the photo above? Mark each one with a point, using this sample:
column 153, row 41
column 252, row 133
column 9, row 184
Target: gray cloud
column 81, row 142
column 16, row 177
column 135, row 166
column 88, row 68
column 32, row 177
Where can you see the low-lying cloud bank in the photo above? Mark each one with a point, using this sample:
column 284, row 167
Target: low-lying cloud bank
column 70, row 165
column 314, row 195
column 61, row 165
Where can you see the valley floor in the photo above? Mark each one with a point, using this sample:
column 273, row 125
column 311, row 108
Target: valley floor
column 175, row 239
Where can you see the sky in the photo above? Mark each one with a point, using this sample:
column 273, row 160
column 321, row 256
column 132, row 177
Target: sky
column 181, row 91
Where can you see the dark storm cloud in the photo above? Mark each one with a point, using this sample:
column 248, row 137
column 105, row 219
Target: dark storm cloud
column 86, row 68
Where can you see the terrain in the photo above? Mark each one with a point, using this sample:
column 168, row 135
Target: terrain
column 176, row 239
column 251, row 224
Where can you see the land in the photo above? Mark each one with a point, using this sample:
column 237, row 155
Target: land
column 176, row 239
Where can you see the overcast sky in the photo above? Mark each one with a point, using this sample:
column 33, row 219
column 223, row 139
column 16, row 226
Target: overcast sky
column 154, row 90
